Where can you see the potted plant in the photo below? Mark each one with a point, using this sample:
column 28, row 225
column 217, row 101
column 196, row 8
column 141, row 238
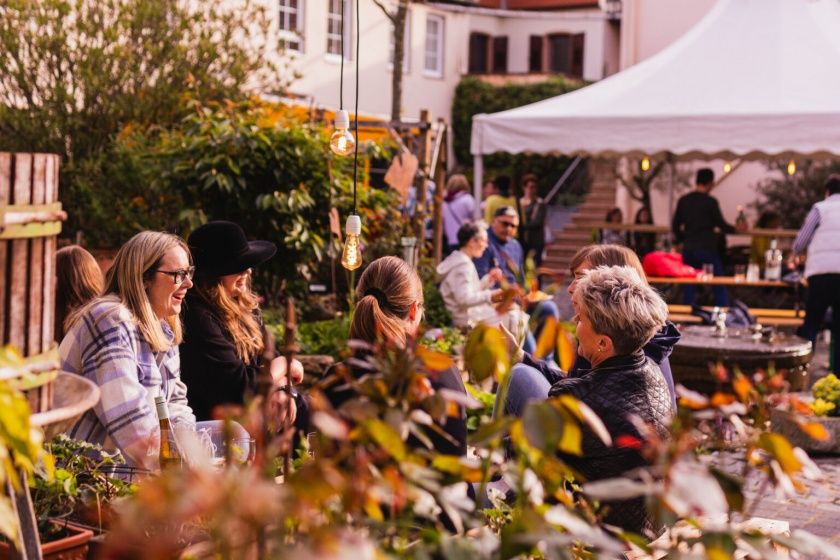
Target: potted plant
column 72, row 500
column 812, row 421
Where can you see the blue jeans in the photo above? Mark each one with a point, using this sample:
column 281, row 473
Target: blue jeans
column 697, row 258
column 526, row 384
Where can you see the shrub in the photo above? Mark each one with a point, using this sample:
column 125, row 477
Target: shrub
column 826, row 393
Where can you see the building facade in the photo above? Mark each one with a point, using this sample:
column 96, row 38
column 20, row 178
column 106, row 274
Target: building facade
column 443, row 43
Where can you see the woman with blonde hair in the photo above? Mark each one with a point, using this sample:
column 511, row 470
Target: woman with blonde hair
column 458, row 208
column 126, row 341
column 531, row 379
column 389, row 310
column 78, row 280
column 223, row 339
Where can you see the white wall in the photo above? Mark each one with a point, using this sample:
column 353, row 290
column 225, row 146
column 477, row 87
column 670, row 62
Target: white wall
column 320, row 72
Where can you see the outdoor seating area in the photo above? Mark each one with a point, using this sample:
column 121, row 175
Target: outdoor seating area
column 584, row 306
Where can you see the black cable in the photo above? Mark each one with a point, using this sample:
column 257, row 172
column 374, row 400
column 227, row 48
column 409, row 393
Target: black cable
column 341, row 76
column 356, row 114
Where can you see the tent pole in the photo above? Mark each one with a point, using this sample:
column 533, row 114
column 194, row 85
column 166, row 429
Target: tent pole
column 478, row 180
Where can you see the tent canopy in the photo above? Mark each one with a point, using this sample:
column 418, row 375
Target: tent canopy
column 753, row 79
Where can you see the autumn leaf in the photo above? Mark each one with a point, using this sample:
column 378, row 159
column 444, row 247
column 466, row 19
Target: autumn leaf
column 815, row 430
column 486, row 353
column 566, row 348
column 434, row 360
column 548, row 336
column 781, row 450
column 742, row 386
column 722, row 399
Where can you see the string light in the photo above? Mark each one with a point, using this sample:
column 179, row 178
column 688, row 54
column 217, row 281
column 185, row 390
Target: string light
column 791, row 168
column 727, row 167
column 351, row 256
column 342, row 142
column 645, row 164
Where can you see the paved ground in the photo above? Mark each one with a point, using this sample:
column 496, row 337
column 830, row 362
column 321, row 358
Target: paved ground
column 818, row 510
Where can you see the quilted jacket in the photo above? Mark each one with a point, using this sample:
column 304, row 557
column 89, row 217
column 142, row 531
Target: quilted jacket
column 615, row 389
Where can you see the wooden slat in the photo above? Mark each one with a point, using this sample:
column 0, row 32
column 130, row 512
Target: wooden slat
column 36, row 262
column 5, row 191
column 21, row 193
column 48, row 326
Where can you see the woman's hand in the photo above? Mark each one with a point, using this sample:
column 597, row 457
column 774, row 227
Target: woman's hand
column 496, row 275
column 513, row 346
column 282, row 407
column 497, row 296
column 279, row 371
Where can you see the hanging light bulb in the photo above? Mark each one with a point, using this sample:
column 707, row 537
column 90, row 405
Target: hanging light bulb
column 351, row 257
column 645, row 164
column 727, row 167
column 342, row 142
column 791, row 168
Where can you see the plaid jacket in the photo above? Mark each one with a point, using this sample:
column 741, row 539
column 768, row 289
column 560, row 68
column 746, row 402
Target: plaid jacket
column 106, row 347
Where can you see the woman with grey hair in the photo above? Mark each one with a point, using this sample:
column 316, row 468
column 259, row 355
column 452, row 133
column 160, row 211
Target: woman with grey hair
column 617, row 314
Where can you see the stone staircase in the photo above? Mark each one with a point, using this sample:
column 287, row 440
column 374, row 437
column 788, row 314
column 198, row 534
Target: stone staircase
column 594, row 208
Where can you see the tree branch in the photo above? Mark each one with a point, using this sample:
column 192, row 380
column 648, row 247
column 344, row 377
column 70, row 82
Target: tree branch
column 389, row 15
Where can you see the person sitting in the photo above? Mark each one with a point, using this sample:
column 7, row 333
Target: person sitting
column 126, row 342
column 467, row 297
column 223, row 330
column 501, row 198
column 531, row 379
column 644, row 242
column 78, row 279
column 617, row 314
column 458, row 209
column 608, row 236
column 389, row 308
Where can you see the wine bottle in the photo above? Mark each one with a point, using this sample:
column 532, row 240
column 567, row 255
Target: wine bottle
column 170, row 455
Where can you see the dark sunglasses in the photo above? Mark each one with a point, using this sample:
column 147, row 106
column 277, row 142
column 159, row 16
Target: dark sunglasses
column 510, row 225
column 178, row 275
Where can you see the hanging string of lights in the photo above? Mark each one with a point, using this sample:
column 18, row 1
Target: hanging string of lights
column 351, row 256
column 341, row 141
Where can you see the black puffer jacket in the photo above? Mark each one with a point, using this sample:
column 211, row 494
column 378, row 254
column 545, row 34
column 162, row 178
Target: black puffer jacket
column 615, row 389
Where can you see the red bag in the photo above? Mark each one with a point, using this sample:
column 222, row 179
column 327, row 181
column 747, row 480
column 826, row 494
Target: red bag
column 669, row 265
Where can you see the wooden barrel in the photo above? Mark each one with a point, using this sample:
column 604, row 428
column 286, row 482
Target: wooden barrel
column 30, row 221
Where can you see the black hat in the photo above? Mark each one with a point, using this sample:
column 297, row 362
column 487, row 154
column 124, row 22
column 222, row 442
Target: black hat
column 221, row 248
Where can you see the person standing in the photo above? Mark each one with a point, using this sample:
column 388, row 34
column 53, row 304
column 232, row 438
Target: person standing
column 458, row 208
column 501, row 199
column 696, row 222
column 532, row 231
column 820, row 237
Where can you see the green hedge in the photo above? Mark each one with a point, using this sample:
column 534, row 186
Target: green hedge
column 474, row 96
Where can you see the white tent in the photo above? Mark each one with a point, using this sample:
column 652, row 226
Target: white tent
column 754, row 78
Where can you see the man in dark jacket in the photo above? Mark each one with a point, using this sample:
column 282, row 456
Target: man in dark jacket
column 696, row 223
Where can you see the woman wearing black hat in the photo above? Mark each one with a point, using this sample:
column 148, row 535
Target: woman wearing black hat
column 222, row 325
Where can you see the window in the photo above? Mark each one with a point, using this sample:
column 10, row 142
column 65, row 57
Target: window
column 565, row 54
column 334, row 30
column 406, row 45
column 535, row 54
column 291, row 24
column 433, row 60
column 479, row 53
column 500, row 53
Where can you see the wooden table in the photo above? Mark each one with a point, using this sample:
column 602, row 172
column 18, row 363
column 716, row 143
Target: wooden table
column 722, row 281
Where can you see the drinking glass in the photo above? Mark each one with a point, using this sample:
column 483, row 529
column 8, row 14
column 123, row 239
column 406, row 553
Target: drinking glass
column 708, row 271
column 740, row 272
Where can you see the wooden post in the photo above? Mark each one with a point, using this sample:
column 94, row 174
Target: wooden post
column 421, row 211
column 440, row 183
column 290, row 350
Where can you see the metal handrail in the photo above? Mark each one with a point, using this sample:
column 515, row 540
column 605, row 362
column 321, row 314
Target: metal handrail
column 560, row 182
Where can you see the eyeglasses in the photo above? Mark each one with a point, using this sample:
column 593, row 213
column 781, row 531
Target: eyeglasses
column 178, row 275
column 509, row 225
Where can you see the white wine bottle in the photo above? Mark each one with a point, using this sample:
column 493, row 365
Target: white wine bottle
column 170, row 455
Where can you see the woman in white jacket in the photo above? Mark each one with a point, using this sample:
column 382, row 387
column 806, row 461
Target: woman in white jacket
column 468, row 298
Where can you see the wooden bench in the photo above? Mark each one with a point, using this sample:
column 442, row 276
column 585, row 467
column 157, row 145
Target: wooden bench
column 768, row 317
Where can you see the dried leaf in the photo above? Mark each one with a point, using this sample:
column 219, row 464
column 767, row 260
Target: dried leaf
column 434, row 360
column 815, row 430
column 780, row 449
column 387, row 438
column 548, row 336
column 486, row 353
column 742, row 386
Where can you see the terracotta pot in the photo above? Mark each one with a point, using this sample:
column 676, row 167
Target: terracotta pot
column 72, row 547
